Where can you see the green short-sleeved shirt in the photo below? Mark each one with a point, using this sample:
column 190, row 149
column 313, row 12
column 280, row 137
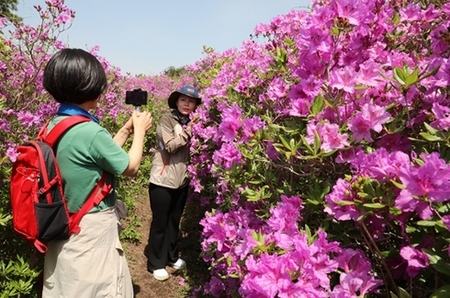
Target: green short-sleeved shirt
column 83, row 153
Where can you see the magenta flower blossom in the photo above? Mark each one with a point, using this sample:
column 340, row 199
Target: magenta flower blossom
column 64, row 18
column 250, row 126
column 446, row 220
column 271, row 152
column 341, row 192
column 343, row 79
column 277, row 89
column 231, row 123
column 394, row 142
column 416, row 260
column 285, row 217
column 331, row 138
column 227, row 156
column 370, row 117
column 360, row 127
column 430, row 181
column 12, row 154
column 353, row 260
column 442, row 117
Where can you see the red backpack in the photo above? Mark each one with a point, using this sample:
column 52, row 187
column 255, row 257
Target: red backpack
column 38, row 204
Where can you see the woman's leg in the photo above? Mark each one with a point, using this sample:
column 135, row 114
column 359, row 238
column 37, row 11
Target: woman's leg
column 173, row 226
column 157, row 248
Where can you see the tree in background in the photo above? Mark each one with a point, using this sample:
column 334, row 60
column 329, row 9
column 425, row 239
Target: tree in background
column 7, row 9
column 174, row 72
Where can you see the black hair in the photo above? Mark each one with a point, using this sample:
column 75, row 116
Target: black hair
column 74, row 76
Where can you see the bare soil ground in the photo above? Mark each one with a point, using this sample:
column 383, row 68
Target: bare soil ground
column 145, row 286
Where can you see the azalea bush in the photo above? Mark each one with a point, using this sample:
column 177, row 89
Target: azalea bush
column 322, row 155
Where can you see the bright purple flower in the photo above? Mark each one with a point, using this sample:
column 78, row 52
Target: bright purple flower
column 12, row 154
column 442, row 117
column 250, row 126
column 271, row 152
column 63, row 18
column 231, row 122
column 394, row 142
column 341, row 193
column 331, row 138
column 416, row 259
column 446, row 220
column 431, row 180
column 370, row 117
column 227, row 156
column 360, row 127
column 343, row 79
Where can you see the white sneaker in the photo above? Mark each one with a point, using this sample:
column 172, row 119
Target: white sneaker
column 178, row 265
column 160, row 274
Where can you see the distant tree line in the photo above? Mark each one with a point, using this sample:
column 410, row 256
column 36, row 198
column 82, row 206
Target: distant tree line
column 8, row 9
column 174, row 72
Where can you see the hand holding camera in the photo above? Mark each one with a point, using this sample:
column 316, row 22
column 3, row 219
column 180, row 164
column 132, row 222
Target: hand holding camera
column 141, row 121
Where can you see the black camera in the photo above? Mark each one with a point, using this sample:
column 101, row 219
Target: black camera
column 136, row 97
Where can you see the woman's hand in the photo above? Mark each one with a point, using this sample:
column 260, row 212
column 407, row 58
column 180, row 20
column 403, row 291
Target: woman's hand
column 141, row 121
column 129, row 126
column 193, row 121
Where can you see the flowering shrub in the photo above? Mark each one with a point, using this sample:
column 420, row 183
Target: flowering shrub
column 323, row 154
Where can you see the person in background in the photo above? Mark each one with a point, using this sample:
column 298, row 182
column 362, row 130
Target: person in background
column 168, row 187
column 91, row 263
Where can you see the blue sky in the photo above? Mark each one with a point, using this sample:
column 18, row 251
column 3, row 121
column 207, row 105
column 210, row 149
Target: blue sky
column 148, row 36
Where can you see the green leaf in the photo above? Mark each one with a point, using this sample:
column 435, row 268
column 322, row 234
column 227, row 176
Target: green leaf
column 430, row 129
column 345, row 203
column 403, row 293
column 374, row 205
column 399, row 75
column 412, row 78
column 307, row 144
column 363, row 194
column 316, row 143
column 397, row 184
column 429, row 137
column 437, row 262
column 317, row 105
column 285, row 143
column 431, row 73
column 443, row 292
column 426, row 223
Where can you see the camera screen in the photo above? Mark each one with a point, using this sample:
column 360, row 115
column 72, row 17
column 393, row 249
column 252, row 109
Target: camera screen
column 136, row 97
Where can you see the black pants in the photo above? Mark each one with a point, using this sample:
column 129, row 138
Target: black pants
column 167, row 206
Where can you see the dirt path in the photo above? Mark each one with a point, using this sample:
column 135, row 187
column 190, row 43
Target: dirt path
column 145, row 286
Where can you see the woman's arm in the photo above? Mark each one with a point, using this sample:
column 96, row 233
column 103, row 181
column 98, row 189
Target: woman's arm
column 170, row 139
column 123, row 134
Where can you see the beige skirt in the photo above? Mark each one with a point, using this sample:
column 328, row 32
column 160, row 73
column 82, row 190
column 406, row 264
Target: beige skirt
column 90, row 264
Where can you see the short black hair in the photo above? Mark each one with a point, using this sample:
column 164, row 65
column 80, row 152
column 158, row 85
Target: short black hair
column 74, row 76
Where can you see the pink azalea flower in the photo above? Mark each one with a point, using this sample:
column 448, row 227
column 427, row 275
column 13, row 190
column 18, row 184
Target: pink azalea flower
column 271, row 152
column 416, row 260
column 442, row 116
column 63, row 18
column 331, row 138
column 446, row 220
column 343, row 79
column 360, row 127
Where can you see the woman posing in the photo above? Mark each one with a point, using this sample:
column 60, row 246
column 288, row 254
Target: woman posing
column 168, row 186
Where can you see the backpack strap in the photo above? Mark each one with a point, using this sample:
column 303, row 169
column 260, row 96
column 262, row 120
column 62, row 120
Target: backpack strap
column 60, row 128
column 100, row 191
